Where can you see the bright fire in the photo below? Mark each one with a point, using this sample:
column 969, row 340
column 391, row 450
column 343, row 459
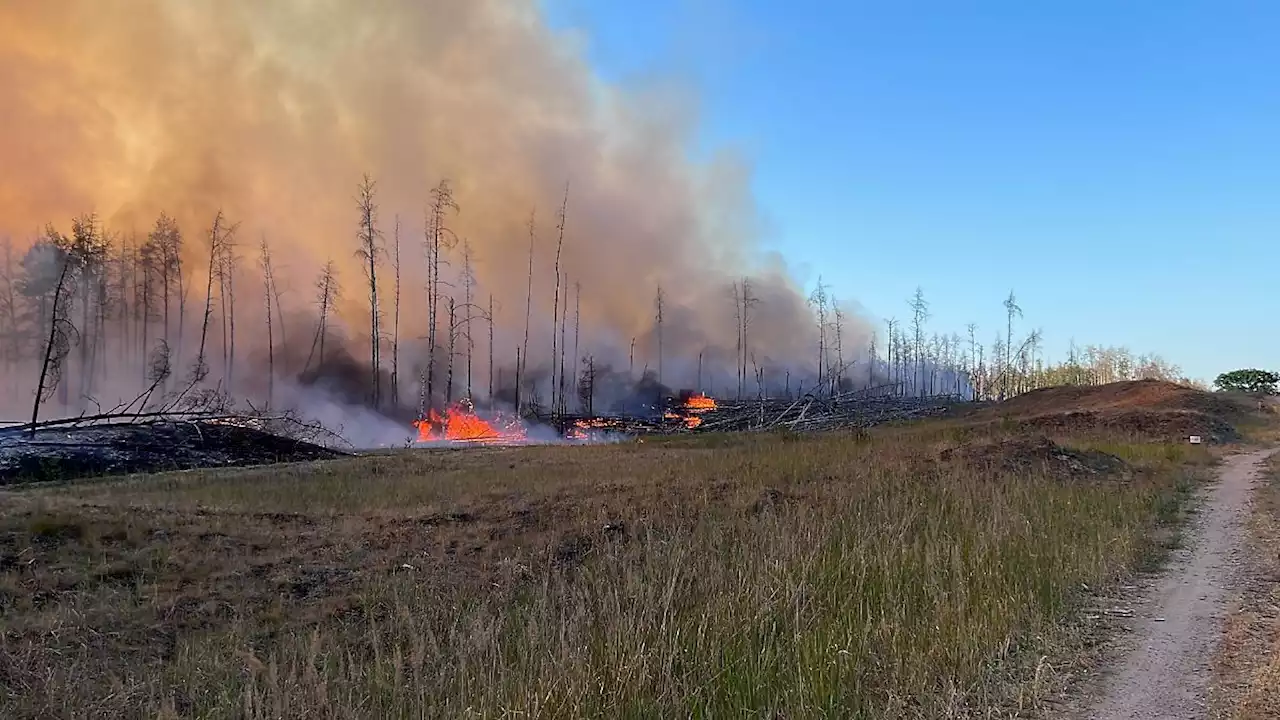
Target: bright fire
column 700, row 403
column 459, row 423
column 693, row 407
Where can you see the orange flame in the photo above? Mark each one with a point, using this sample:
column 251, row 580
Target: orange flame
column 459, row 423
column 700, row 403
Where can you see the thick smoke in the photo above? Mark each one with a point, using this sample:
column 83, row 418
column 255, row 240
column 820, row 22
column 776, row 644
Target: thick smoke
column 272, row 112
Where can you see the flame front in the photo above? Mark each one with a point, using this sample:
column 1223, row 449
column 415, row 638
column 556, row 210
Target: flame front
column 460, row 423
column 700, row 403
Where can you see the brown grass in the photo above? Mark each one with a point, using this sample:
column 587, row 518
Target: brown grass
column 1247, row 667
column 759, row 576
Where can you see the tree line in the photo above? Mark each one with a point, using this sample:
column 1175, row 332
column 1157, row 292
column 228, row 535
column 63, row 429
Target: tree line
column 98, row 304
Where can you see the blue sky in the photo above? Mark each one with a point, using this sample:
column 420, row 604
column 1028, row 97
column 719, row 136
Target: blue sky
column 1116, row 164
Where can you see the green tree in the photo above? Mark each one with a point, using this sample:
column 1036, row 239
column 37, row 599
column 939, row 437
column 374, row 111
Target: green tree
column 1249, row 381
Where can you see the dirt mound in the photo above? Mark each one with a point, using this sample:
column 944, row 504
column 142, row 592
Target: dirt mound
column 1147, row 395
column 1173, row 426
column 1150, row 409
column 1037, row 454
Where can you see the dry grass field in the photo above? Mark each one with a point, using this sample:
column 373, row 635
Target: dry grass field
column 927, row 570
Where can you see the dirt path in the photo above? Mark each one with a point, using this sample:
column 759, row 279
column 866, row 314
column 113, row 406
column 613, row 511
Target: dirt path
column 1164, row 672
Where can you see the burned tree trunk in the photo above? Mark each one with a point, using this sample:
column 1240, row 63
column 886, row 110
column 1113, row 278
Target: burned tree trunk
column 58, row 343
column 395, row 321
column 490, row 350
column 555, row 320
column 369, row 252
column 563, row 406
column 440, row 239
column 268, row 287
column 523, row 352
column 577, row 324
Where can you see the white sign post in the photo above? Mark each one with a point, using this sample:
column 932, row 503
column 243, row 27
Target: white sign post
column 1195, row 439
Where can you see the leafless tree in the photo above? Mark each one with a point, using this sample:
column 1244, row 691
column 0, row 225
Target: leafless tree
column 10, row 329
column 395, row 321
column 268, row 295
column 973, row 359
column 328, row 291
column 871, row 359
column 62, row 331
column 370, row 253
column 562, row 392
column 919, row 315
column 166, row 239
column 89, row 249
column 439, row 240
column 219, row 234
column 555, row 319
column 1011, row 309
column 819, row 301
column 523, row 354
column 890, row 343
column 748, row 302
column 577, row 323
column 838, row 326
column 587, row 386
column 491, row 349
column 468, row 283
column 658, row 307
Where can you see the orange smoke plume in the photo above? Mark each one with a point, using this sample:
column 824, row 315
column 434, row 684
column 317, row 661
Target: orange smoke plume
column 272, row 112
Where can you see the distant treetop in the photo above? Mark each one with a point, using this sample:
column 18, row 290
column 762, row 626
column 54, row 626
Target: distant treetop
column 1257, row 382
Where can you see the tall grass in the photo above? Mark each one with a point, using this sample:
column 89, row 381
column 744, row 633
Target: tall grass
column 908, row 591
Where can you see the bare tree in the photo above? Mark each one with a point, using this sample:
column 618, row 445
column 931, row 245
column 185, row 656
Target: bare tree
column 748, row 301
column 658, row 318
column 919, row 314
column 738, row 316
column 453, row 333
column 61, row 331
column 528, row 305
column 587, row 386
column 219, row 234
column 563, row 406
column 166, row 239
column 370, row 251
column 88, row 249
column 891, row 323
column 838, row 326
column 327, row 293
column 973, row 359
column 555, row 320
column 490, row 350
column 395, row 322
column 468, row 282
column 577, row 323
column 268, row 294
column 439, row 239
column 818, row 300
column 10, row 329
column 871, row 360
column 1011, row 309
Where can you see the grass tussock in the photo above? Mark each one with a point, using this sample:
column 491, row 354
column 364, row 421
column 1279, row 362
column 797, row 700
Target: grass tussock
column 745, row 576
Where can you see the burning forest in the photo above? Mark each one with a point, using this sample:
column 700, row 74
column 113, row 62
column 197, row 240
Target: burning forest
column 442, row 228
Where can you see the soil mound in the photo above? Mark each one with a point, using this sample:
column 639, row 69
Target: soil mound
column 1150, row 395
column 1151, row 409
column 1037, row 454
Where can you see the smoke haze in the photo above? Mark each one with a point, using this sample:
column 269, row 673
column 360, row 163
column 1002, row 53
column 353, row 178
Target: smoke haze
column 272, row 111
